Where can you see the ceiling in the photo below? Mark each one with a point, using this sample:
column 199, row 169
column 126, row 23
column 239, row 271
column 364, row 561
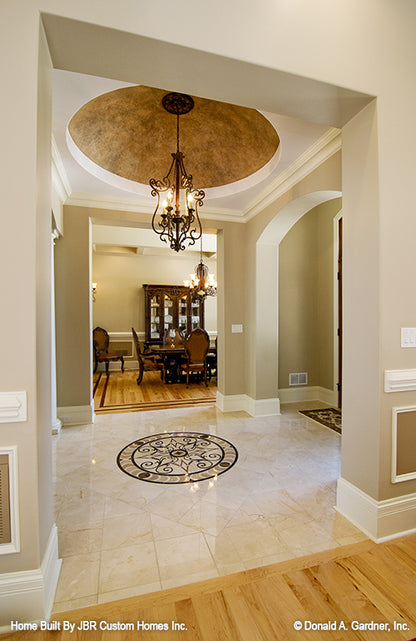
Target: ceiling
column 86, row 183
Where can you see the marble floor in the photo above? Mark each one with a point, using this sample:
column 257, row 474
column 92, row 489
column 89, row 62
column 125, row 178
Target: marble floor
column 121, row 537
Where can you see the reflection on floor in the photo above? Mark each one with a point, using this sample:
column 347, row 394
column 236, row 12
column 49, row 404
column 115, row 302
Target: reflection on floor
column 119, row 536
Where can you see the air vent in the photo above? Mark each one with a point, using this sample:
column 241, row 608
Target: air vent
column 5, row 532
column 298, row 379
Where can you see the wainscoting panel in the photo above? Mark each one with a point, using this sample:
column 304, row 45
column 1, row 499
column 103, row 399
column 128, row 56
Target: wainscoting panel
column 403, row 444
column 9, row 506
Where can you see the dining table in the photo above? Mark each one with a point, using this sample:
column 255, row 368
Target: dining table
column 171, row 355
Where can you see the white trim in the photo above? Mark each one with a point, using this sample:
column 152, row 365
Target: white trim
column 13, row 407
column 95, row 201
column 56, row 426
column 125, row 336
column 77, row 414
column 379, row 520
column 398, row 478
column 14, row 545
column 245, row 403
column 263, row 407
column 325, row 147
column 231, row 402
column 129, row 363
column 28, row 596
column 399, row 380
column 308, row 393
column 59, row 176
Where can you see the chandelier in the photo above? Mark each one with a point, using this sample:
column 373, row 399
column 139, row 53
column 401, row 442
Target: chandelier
column 202, row 283
column 174, row 224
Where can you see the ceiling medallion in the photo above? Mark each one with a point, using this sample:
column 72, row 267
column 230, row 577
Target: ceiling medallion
column 179, row 227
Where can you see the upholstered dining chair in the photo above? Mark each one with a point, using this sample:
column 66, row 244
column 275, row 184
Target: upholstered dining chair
column 196, row 350
column 147, row 362
column 101, row 340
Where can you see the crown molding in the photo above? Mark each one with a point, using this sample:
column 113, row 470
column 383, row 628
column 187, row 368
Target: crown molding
column 60, row 179
column 325, row 147
column 95, row 201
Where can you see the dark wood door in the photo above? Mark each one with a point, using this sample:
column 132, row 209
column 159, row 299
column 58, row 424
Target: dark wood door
column 339, row 385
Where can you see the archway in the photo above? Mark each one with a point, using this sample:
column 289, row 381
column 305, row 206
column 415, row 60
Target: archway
column 267, row 303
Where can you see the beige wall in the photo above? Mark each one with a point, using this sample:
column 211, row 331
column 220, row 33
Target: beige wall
column 73, row 311
column 378, row 195
column 269, row 228
column 25, row 260
column 306, row 287
column 119, row 301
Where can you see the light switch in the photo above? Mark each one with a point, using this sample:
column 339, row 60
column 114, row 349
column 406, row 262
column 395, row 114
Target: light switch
column 236, row 329
column 408, row 337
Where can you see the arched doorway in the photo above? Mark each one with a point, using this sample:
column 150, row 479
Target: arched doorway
column 267, row 262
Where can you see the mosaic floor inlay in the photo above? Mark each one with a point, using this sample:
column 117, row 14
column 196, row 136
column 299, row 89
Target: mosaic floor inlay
column 177, row 457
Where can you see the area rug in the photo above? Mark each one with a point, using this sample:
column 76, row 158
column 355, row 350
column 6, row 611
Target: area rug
column 177, row 457
column 330, row 417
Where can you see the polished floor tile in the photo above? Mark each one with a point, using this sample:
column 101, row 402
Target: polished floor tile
column 121, row 537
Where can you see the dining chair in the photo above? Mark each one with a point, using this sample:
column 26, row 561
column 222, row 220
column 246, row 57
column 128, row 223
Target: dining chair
column 196, row 350
column 212, row 360
column 147, row 362
column 101, row 341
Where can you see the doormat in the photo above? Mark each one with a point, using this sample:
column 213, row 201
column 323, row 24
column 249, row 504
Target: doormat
column 330, row 417
column 177, row 457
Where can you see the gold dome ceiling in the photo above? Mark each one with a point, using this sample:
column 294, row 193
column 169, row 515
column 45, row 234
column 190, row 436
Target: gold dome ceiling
column 128, row 133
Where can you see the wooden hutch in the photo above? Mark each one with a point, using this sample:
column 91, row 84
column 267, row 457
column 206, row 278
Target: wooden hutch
column 170, row 307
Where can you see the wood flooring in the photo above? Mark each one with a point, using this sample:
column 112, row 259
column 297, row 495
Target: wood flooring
column 350, row 593
column 119, row 392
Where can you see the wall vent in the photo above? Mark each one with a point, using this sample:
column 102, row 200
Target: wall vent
column 5, row 529
column 298, row 379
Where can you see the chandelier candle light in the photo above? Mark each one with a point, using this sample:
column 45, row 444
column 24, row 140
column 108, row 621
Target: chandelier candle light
column 174, row 225
column 202, row 283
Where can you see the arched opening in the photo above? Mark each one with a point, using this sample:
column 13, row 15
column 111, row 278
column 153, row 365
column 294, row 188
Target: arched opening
column 267, row 303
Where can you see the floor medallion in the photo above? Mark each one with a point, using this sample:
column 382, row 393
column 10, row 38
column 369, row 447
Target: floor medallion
column 177, row 457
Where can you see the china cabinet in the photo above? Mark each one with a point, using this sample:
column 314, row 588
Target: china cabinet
column 170, row 307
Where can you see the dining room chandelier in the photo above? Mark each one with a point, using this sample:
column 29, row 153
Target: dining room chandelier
column 201, row 283
column 176, row 222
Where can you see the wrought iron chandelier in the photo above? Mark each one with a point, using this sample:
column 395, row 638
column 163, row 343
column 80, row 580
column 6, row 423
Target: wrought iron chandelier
column 173, row 224
column 201, row 283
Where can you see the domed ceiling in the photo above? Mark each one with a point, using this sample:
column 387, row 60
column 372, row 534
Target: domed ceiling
column 128, row 134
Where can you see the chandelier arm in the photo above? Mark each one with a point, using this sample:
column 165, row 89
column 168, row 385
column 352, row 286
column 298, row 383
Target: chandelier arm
column 171, row 225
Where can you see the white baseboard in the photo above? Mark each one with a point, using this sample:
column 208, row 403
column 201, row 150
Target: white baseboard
column 56, row 425
column 129, row 363
column 245, row 403
column 308, row 393
column 263, row 407
column 379, row 520
column 76, row 415
column 28, row 596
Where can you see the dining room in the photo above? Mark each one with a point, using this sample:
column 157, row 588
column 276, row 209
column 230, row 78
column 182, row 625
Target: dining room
column 145, row 301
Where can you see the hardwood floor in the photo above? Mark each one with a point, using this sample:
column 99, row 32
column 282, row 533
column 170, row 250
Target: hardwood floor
column 120, row 393
column 346, row 593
